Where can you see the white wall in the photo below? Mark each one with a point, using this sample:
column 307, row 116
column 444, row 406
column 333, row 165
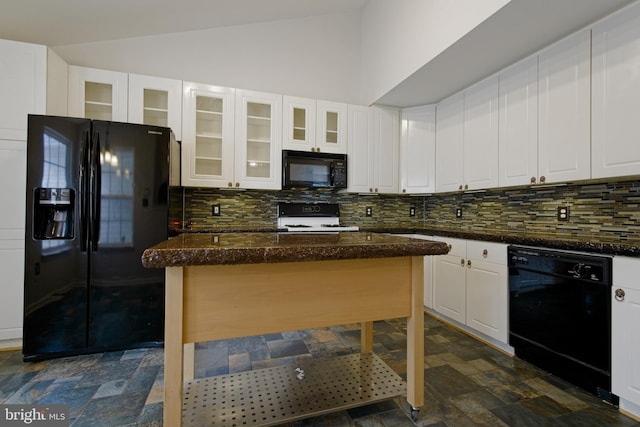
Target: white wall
column 317, row 57
column 400, row 36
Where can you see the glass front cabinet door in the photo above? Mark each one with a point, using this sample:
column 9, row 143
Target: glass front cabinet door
column 258, row 140
column 331, row 127
column 97, row 94
column 207, row 136
column 156, row 101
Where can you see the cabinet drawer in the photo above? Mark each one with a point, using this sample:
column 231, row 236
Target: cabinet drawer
column 626, row 272
column 487, row 251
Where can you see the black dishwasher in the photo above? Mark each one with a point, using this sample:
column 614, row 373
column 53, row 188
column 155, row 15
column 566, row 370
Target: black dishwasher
column 560, row 315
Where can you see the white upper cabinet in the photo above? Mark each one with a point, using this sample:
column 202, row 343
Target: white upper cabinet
column 418, row 150
column 374, row 138
column 480, row 140
column 331, row 127
column 298, row 123
column 386, row 138
column 467, row 139
column 98, row 94
column 564, row 139
column 258, row 139
column 361, row 152
column 449, row 144
column 23, row 85
column 208, row 136
column 518, row 117
column 616, row 95
column 156, row 101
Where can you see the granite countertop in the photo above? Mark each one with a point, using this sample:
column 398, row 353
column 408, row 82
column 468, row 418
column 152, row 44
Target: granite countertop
column 592, row 244
column 252, row 248
column 604, row 245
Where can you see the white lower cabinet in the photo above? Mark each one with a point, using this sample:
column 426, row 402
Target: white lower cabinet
column 625, row 333
column 470, row 286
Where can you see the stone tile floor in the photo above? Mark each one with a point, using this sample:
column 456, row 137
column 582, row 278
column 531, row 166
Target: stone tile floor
column 466, row 382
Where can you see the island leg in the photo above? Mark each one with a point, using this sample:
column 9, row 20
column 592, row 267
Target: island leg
column 415, row 336
column 173, row 348
column 366, row 337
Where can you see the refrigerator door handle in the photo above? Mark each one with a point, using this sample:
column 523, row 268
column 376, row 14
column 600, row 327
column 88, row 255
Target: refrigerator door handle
column 84, row 191
column 96, row 174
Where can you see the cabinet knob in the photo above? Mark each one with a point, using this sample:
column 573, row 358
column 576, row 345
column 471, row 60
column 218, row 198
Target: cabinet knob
column 485, row 253
column 404, row 190
column 237, row 184
column 542, row 179
column 462, row 262
column 468, row 263
column 376, row 190
column 370, row 190
column 466, row 186
column 460, row 188
column 533, row 179
column 317, row 149
column 229, row 184
column 619, row 295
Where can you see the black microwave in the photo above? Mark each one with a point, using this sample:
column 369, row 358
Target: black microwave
column 304, row 169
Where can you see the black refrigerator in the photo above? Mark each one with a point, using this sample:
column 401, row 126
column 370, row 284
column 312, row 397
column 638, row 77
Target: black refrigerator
column 97, row 197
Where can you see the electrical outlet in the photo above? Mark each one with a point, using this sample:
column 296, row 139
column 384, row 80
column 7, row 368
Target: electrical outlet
column 458, row 212
column 369, row 211
column 215, row 210
column 412, row 211
column 563, row 213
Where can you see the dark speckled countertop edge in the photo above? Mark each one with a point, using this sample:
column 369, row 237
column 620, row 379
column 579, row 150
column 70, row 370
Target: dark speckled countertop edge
column 547, row 241
column 196, row 249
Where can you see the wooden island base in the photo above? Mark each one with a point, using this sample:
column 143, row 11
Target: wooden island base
column 213, row 302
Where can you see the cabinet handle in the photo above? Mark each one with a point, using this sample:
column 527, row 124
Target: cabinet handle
column 485, row 253
column 237, row 184
column 542, row 179
column 317, row 149
column 376, row 190
column 462, row 262
column 229, row 184
column 533, row 179
column 469, row 263
column 619, row 295
column 466, row 186
column 404, row 190
column 370, row 190
column 460, row 188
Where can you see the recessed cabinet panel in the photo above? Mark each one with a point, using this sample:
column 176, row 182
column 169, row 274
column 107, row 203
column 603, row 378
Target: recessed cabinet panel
column 518, row 124
column 449, row 144
column 23, row 76
column 616, row 95
column 418, row 150
column 481, row 135
column 361, row 152
column 386, row 134
column 564, row 144
column 625, row 334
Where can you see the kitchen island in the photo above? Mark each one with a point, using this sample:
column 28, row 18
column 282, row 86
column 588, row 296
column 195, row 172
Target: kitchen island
column 221, row 286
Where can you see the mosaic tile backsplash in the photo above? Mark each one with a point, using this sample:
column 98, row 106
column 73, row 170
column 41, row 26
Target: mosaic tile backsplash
column 608, row 211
